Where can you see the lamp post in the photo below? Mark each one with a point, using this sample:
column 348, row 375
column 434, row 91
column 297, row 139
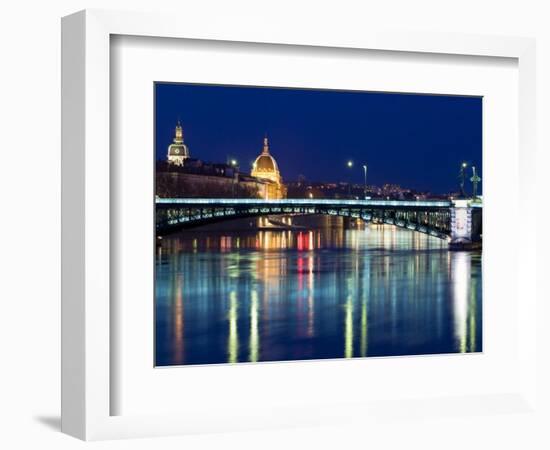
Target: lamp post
column 234, row 163
column 462, row 177
column 365, row 169
column 350, row 166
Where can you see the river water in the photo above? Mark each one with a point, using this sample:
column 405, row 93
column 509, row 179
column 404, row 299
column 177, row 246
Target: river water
column 227, row 297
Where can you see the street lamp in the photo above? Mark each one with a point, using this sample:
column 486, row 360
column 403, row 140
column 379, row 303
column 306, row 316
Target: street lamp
column 234, row 164
column 462, row 177
column 365, row 169
column 350, row 165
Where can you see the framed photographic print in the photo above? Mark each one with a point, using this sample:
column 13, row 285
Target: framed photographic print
column 262, row 230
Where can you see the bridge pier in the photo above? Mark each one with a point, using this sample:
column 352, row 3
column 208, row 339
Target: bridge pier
column 465, row 225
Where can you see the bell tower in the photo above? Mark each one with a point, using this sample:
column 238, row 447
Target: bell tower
column 178, row 152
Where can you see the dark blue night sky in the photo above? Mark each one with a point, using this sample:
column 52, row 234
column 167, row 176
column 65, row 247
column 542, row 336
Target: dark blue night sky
column 417, row 141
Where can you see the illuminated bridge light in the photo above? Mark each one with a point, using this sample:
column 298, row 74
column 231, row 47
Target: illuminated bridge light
column 305, row 202
column 434, row 217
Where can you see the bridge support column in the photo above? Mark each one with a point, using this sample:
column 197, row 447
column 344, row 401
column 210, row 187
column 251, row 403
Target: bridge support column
column 465, row 226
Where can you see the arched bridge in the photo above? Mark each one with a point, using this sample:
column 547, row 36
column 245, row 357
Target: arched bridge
column 458, row 221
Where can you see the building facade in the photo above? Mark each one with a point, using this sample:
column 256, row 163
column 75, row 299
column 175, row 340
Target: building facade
column 186, row 176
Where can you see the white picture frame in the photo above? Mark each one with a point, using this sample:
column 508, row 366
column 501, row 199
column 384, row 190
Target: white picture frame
column 86, row 218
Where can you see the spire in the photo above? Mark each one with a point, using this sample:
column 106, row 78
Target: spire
column 178, row 138
column 266, row 146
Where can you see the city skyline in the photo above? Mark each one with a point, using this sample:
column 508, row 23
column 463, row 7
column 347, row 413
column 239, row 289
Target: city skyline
column 314, row 133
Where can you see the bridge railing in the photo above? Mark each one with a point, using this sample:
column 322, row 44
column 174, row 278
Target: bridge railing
column 305, row 202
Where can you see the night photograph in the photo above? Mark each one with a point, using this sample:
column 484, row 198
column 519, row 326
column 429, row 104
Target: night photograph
column 306, row 224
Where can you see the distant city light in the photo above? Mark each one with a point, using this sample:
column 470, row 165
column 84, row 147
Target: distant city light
column 464, row 164
column 350, row 163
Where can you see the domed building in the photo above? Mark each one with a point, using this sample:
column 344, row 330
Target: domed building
column 265, row 167
column 178, row 152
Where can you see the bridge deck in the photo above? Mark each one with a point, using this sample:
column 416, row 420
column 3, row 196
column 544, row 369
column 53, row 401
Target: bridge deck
column 436, row 204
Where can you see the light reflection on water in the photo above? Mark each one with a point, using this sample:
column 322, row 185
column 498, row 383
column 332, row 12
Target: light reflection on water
column 327, row 293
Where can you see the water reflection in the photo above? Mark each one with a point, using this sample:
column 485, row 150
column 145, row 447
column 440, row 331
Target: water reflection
column 465, row 302
column 233, row 340
column 329, row 293
column 254, row 345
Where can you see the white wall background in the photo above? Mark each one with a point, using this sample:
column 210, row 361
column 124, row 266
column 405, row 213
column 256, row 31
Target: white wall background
column 30, row 195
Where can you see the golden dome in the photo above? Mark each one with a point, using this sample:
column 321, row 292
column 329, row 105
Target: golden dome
column 265, row 165
column 265, row 162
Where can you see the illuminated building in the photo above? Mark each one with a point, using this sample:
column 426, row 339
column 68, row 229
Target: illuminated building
column 265, row 167
column 178, row 152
